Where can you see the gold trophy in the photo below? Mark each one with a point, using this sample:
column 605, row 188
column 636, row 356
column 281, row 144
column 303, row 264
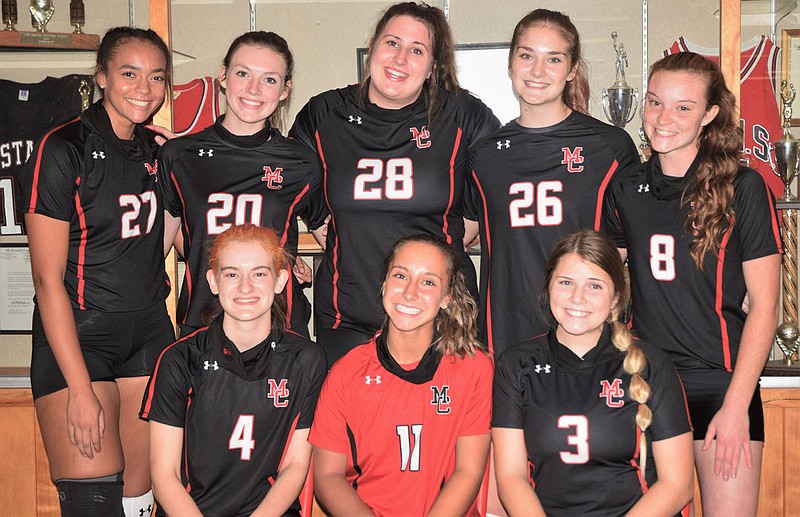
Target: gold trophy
column 77, row 15
column 41, row 12
column 619, row 99
column 10, row 14
column 788, row 341
column 787, row 149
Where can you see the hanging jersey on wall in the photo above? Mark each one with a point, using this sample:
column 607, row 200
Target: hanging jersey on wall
column 195, row 105
column 760, row 117
column 29, row 110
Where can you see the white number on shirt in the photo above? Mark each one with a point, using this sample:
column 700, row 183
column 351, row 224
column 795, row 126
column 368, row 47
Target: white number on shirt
column 579, row 440
column 244, row 204
column 397, row 176
column 8, row 221
column 549, row 208
column 130, row 228
column 409, row 452
column 242, row 437
column 662, row 257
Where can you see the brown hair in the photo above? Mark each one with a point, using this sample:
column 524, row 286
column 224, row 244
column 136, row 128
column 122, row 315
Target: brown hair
column 455, row 326
column 711, row 191
column 267, row 239
column 598, row 249
column 576, row 92
column 443, row 74
column 277, row 44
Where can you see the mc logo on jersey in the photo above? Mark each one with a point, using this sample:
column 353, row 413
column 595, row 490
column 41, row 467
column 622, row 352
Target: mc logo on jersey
column 419, row 136
column 152, row 170
column 612, row 392
column 273, row 178
column 572, row 159
column 278, row 392
column 441, row 399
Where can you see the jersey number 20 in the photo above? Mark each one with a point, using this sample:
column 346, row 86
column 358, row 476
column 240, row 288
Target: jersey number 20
column 397, row 175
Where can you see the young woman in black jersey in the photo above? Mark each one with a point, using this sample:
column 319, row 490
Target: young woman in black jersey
column 241, row 170
column 402, row 424
column 96, row 237
column 393, row 151
column 700, row 232
column 540, row 176
column 230, row 406
column 586, row 420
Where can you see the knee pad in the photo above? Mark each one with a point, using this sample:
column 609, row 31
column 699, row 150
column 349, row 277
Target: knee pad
column 92, row 497
column 141, row 506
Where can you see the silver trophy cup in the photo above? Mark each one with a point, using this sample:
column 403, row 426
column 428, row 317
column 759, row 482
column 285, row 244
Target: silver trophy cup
column 620, row 100
column 786, row 150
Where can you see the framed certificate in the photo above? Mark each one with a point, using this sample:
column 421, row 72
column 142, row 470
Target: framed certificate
column 16, row 289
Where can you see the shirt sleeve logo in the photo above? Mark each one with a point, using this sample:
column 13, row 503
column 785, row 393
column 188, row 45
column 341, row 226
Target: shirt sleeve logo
column 278, row 392
column 612, row 392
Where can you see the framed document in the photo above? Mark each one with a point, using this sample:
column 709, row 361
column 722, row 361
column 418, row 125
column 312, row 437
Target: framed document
column 16, row 289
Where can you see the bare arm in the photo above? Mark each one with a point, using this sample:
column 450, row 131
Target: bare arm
column 49, row 245
column 471, row 231
column 166, row 447
column 461, row 489
column 623, row 254
column 675, row 486
column 321, row 234
column 336, row 495
column 172, row 226
column 730, row 426
column 511, row 471
column 290, row 479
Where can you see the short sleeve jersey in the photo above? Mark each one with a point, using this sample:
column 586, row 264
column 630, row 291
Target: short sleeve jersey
column 81, row 173
column 578, row 421
column 532, row 186
column 213, row 179
column 238, row 411
column 29, row 111
column 399, row 428
column 696, row 316
column 387, row 174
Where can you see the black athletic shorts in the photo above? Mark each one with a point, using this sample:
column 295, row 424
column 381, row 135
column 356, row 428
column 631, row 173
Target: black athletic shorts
column 114, row 345
column 705, row 393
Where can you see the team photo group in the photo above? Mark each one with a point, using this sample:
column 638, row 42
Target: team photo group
column 609, row 350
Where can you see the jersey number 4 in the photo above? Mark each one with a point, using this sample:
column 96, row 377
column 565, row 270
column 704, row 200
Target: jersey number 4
column 579, row 439
column 410, row 438
column 131, row 228
column 396, row 177
column 549, row 208
column 242, row 437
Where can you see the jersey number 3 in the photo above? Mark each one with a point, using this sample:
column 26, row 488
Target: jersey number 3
column 579, row 439
column 397, row 176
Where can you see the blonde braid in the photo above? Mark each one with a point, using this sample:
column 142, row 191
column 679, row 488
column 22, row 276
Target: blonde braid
column 639, row 390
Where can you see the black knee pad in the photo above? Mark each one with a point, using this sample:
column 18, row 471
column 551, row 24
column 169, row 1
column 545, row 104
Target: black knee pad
column 93, row 497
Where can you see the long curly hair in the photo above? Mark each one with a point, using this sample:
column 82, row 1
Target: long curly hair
column 455, row 328
column 598, row 249
column 576, row 92
column 710, row 193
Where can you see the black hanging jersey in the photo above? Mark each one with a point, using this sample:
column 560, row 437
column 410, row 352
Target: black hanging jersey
column 80, row 172
column 213, row 179
column 238, row 411
column 531, row 187
column 387, row 174
column 29, row 110
column 578, row 421
column 695, row 316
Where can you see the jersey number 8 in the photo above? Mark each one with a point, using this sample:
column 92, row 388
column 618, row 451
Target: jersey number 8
column 398, row 181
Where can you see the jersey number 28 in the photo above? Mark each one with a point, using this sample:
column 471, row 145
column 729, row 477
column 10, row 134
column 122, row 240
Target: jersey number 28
column 397, row 176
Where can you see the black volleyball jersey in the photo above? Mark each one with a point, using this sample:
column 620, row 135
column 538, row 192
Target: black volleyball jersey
column 695, row 316
column 387, row 174
column 29, row 110
column 238, row 411
column 213, row 179
column 530, row 187
column 578, row 421
column 81, row 173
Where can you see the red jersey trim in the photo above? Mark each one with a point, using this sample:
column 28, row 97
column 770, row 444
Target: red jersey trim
column 35, row 189
column 445, row 226
column 723, row 325
column 186, row 444
column 81, row 247
column 187, row 284
column 601, row 193
column 489, row 337
column 338, row 317
column 289, row 284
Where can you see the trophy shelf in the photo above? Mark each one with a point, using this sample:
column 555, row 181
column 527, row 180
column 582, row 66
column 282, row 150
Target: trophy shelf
column 22, row 40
